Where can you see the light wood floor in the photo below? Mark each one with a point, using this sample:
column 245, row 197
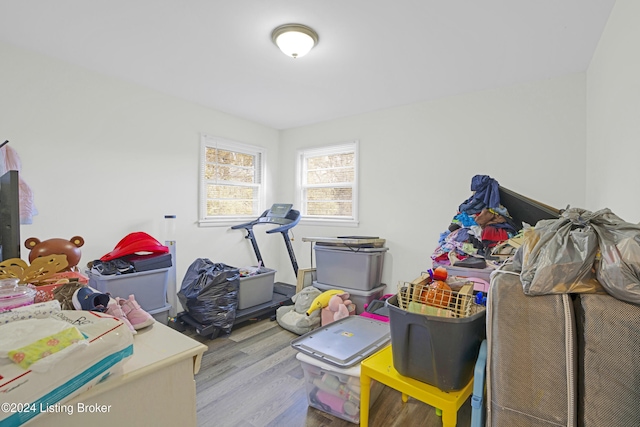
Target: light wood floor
column 251, row 378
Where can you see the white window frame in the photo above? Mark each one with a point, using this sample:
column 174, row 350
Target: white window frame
column 207, row 141
column 302, row 154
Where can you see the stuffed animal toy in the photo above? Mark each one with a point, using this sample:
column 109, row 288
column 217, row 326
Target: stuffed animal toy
column 68, row 247
column 294, row 317
column 322, row 300
column 339, row 307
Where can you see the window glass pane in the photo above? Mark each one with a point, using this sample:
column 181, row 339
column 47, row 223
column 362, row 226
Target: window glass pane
column 231, row 192
column 211, row 155
column 329, row 208
column 329, row 176
column 331, row 161
column 229, row 207
column 235, row 158
column 329, row 194
column 235, row 174
column 210, row 172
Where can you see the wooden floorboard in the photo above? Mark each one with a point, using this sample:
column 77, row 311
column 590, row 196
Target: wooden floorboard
column 251, row 378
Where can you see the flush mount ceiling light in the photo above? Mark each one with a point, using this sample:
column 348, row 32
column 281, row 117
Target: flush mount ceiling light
column 294, row 40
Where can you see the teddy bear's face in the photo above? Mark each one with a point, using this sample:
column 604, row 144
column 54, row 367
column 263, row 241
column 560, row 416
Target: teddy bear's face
column 70, row 248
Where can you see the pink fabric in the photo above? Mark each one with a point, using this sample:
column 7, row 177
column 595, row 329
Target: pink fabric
column 27, row 207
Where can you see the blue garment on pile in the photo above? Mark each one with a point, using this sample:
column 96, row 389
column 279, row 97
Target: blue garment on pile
column 465, row 220
column 486, row 195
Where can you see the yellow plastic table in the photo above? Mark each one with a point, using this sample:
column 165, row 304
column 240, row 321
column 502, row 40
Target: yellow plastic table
column 379, row 367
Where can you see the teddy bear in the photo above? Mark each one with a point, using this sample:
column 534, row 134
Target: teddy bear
column 62, row 282
column 68, row 247
column 338, row 307
column 294, row 317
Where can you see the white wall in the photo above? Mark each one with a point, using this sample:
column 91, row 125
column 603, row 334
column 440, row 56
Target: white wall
column 613, row 115
column 105, row 158
column 417, row 161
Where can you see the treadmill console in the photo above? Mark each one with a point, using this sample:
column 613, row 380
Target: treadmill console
column 276, row 213
column 279, row 210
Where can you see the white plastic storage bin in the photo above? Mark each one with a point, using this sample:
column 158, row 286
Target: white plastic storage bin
column 358, row 297
column 148, row 287
column 256, row 289
column 355, row 268
column 333, row 390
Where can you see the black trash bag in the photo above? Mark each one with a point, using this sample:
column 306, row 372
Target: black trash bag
column 209, row 293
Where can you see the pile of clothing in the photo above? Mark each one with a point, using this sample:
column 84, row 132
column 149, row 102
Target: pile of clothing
column 480, row 225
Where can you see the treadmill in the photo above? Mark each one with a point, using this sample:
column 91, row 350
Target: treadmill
column 285, row 218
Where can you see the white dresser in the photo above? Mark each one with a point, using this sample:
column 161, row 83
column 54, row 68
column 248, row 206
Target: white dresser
column 157, row 387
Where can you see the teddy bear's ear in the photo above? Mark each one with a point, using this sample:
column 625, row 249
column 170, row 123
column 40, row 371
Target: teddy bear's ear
column 31, row 242
column 77, row 241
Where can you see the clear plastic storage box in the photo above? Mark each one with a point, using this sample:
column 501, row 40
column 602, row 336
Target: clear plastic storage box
column 330, row 357
column 334, row 390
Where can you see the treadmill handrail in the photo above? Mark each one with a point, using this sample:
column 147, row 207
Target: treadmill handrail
column 293, row 217
column 250, row 224
column 286, row 223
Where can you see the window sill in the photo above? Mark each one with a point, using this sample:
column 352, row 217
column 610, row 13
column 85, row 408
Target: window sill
column 227, row 222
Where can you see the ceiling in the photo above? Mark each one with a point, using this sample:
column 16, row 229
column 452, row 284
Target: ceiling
column 372, row 54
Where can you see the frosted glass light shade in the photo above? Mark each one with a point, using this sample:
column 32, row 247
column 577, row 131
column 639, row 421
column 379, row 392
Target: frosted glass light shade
column 294, row 40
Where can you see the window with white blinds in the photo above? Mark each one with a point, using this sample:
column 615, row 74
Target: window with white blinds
column 328, row 183
column 231, row 177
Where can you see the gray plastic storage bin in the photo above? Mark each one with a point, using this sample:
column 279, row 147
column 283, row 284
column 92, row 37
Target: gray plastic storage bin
column 438, row 351
column 359, row 298
column 161, row 314
column 256, row 289
column 148, row 287
column 354, row 268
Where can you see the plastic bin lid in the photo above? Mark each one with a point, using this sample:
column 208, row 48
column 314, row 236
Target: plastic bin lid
column 351, row 241
column 354, row 249
column 345, row 342
column 352, row 292
column 10, row 291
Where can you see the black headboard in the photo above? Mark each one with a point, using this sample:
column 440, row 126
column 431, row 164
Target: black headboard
column 524, row 209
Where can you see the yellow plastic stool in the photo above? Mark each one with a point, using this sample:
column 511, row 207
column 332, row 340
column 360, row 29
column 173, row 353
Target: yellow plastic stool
column 379, row 367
